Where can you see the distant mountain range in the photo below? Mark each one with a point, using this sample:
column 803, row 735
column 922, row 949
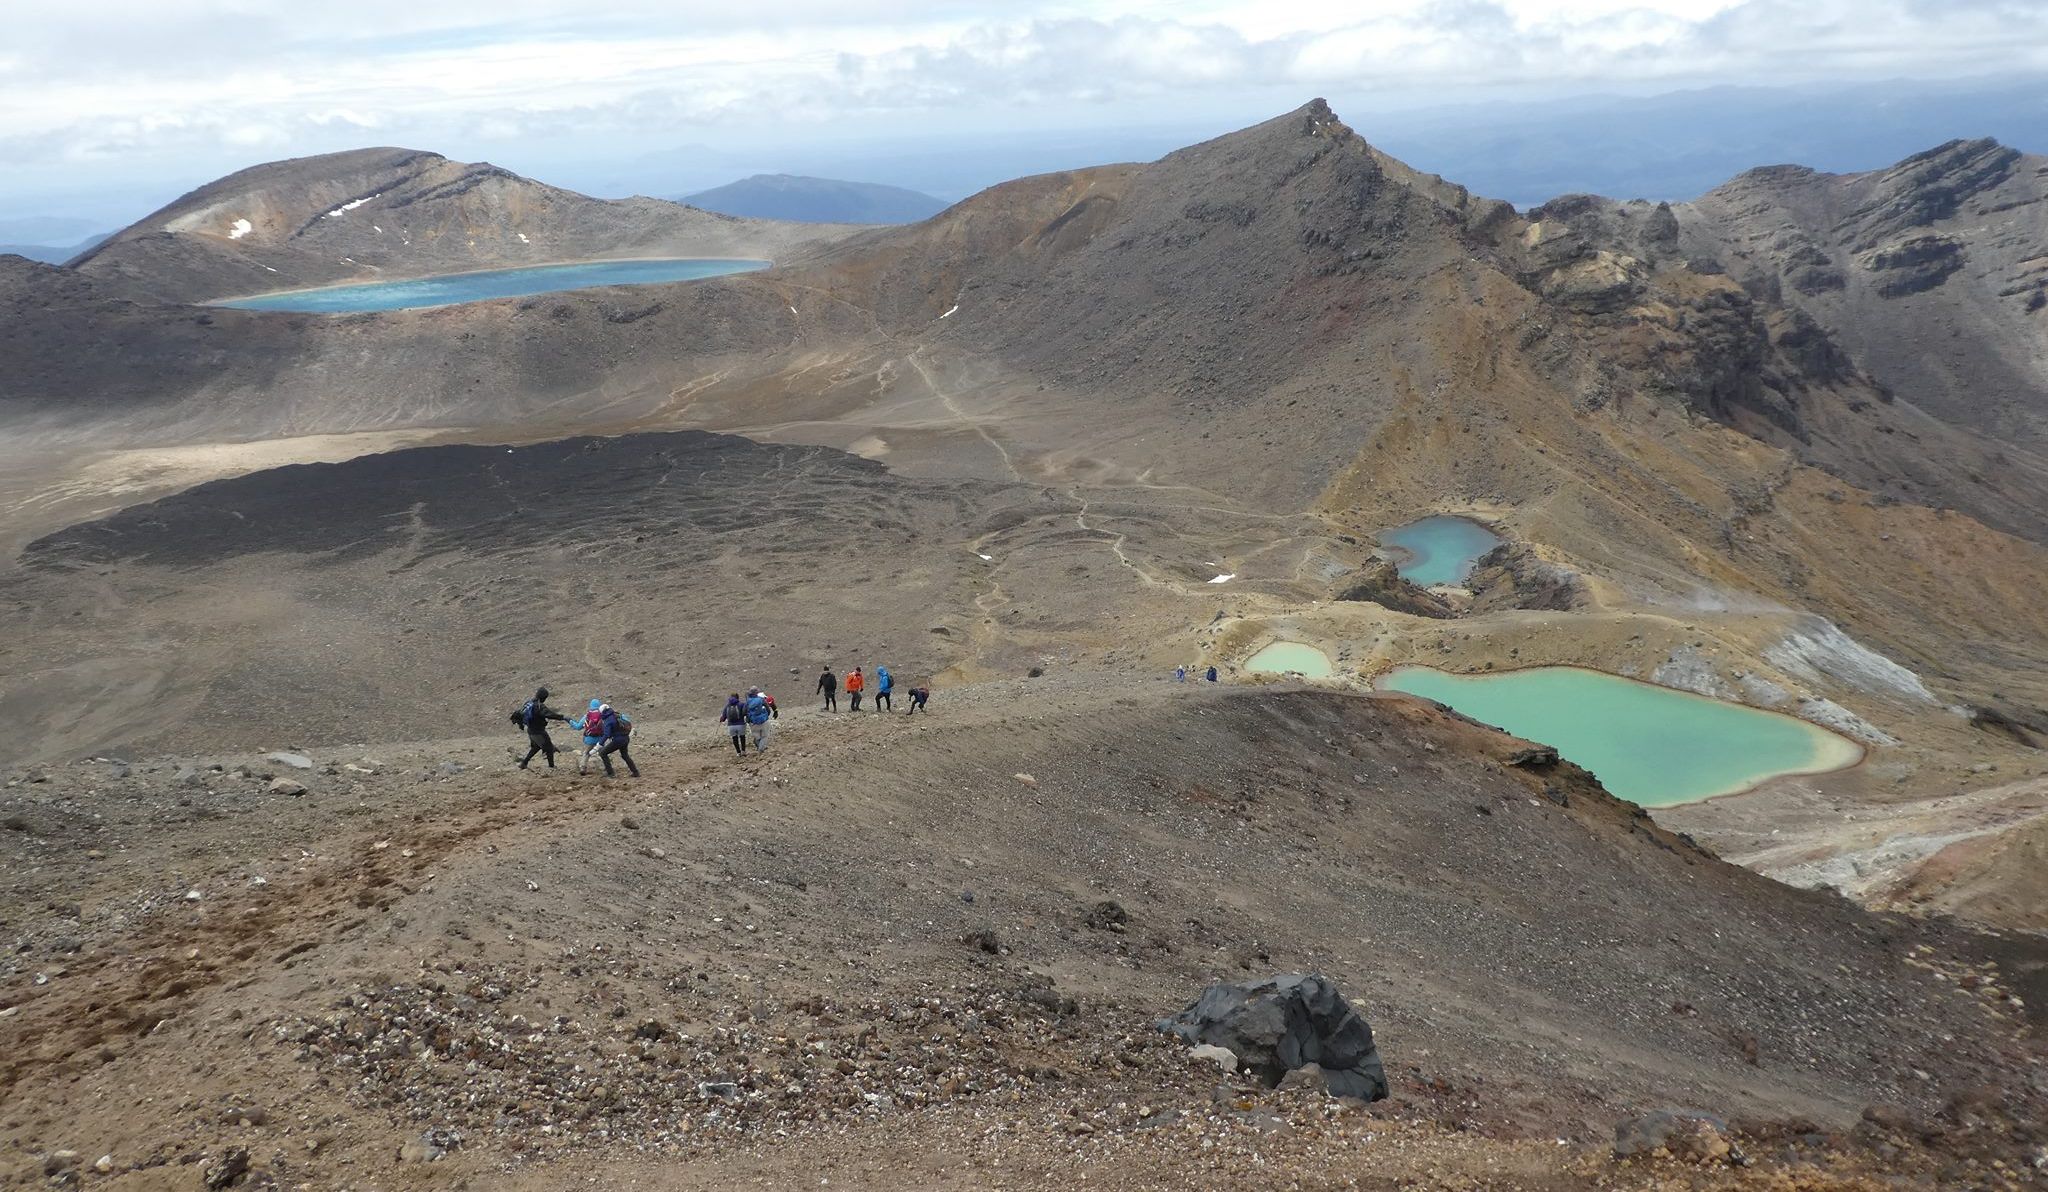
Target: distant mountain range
column 817, row 200
column 54, row 254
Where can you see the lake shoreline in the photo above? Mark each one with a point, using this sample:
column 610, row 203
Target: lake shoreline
column 228, row 303
column 1852, row 753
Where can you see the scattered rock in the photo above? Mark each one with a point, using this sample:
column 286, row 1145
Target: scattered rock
column 984, row 939
column 1107, row 915
column 1537, row 757
column 1688, row 1134
column 431, row 1145
column 227, row 1168
column 1026, row 779
column 1222, row 1057
column 286, row 787
column 297, row 761
column 1286, row 1022
column 58, row 1162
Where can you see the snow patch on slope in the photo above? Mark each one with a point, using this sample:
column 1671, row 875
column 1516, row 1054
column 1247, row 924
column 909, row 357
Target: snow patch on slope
column 239, row 229
column 351, row 205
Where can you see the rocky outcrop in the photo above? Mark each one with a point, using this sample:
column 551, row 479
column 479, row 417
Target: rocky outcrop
column 1929, row 187
column 1513, row 575
column 1283, row 1023
column 1380, row 583
column 1914, row 264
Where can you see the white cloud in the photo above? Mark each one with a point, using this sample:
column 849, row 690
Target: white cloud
column 104, row 78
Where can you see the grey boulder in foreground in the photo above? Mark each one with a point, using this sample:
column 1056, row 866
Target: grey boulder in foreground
column 1286, row 1022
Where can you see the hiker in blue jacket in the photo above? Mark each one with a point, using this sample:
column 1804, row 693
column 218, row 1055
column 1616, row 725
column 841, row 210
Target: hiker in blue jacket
column 758, row 716
column 884, row 684
column 617, row 733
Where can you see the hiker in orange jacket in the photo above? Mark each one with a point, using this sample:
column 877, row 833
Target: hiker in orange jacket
column 855, row 684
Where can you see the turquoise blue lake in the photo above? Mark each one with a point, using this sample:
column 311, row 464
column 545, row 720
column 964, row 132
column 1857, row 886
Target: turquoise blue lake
column 449, row 289
column 1650, row 745
column 1438, row 550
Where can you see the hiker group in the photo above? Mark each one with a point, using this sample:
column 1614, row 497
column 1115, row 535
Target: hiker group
column 857, row 683
column 607, row 731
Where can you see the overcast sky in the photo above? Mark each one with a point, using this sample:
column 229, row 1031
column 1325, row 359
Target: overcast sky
column 104, row 99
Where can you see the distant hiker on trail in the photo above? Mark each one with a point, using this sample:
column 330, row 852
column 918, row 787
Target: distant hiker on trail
column 1180, row 674
column 593, row 735
column 759, row 713
column 533, row 716
column 919, row 696
column 828, row 685
column 734, row 718
column 854, row 684
column 1211, row 676
column 617, row 731
column 884, row 684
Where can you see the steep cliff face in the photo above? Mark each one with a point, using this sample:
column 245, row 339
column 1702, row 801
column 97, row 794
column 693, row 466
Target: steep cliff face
column 379, row 214
column 1932, row 274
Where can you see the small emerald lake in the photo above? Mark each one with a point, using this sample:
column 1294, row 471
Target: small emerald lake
column 450, row 289
column 1438, row 550
column 1650, row 745
column 1282, row 658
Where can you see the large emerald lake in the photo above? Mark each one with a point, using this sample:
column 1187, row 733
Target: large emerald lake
column 449, row 289
column 1650, row 745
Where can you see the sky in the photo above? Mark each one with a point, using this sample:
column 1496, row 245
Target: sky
column 106, row 104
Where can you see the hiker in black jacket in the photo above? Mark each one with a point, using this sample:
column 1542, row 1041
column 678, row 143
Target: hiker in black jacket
column 534, row 717
column 828, row 683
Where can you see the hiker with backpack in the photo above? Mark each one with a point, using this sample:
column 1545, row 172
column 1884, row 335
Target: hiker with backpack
column 759, row 713
column 919, row 696
column 884, row 684
column 828, row 685
column 618, row 731
column 533, row 716
column 593, row 736
column 855, row 682
column 734, row 717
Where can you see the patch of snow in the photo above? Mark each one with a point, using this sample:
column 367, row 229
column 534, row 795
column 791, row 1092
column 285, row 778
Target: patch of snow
column 1818, row 650
column 272, row 268
column 351, row 205
column 985, row 558
column 1225, row 578
column 239, row 229
column 792, row 310
column 950, row 310
column 523, row 239
column 376, row 229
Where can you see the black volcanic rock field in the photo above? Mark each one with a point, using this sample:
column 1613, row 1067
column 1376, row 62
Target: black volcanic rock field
column 281, row 912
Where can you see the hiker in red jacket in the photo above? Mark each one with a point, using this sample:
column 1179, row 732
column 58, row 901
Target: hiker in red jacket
column 855, row 684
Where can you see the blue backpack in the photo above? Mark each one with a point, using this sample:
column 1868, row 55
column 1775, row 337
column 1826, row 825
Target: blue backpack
column 883, row 680
column 757, row 711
